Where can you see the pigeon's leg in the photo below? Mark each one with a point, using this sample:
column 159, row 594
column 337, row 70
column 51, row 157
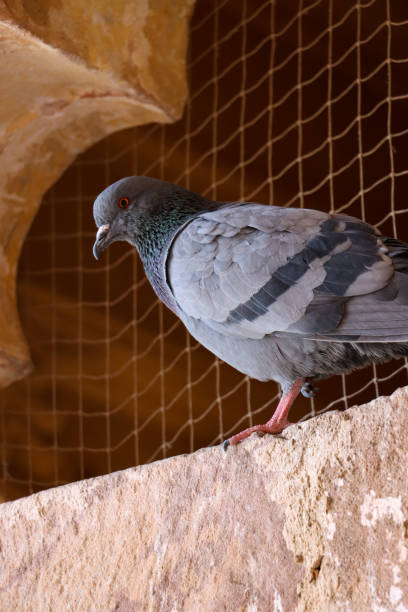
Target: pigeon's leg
column 279, row 420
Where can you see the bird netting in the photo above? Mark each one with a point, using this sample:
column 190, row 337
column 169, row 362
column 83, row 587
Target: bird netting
column 301, row 104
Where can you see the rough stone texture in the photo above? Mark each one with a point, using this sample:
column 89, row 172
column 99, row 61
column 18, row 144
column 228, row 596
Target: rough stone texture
column 316, row 521
column 70, row 73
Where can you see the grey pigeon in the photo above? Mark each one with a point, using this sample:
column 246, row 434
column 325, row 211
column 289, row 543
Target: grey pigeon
column 287, row 294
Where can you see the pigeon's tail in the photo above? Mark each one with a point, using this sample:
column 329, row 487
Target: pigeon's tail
column 381, row 316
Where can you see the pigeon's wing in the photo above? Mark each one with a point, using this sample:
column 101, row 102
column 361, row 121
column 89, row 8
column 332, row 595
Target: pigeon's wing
column 250, row 270
column 382, row 315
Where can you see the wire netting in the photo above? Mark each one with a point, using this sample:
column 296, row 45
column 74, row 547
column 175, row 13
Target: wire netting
column 302, row 104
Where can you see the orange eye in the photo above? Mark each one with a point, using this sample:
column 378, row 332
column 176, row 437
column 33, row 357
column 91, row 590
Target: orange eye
column 123, row 202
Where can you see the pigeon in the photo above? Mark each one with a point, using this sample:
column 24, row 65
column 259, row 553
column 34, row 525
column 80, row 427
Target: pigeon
column 279, row 293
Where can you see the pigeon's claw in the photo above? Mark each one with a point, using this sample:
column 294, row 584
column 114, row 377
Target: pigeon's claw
column 265, row 428
column 279, row 420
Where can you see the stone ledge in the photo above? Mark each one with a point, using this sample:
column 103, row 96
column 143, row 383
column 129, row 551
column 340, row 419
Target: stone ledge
column 316, row 521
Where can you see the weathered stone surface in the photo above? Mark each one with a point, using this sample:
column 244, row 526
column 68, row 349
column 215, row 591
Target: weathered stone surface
column 71, row 73
column 316, row 521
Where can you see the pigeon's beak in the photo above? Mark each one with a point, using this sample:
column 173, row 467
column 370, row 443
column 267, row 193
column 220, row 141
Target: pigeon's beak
column 103, row 239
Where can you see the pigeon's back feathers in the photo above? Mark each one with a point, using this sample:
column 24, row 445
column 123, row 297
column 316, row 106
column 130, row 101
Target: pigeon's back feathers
column 221, row 261
column 249, row 271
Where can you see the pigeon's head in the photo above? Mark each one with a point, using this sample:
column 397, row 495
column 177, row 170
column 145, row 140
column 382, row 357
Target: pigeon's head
column 137, row 206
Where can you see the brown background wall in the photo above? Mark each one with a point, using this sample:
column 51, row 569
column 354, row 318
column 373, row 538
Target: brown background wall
column 299, row 103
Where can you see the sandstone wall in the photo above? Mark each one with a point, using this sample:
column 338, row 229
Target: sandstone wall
column 315, row 521
column 70, row 73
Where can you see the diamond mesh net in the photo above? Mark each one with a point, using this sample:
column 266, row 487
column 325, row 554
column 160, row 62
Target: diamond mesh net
column 301, row 104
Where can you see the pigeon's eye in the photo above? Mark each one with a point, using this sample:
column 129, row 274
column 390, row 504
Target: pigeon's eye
column 123, row 202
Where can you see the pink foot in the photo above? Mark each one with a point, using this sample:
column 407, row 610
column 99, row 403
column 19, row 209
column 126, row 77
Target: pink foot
column 271, row 429
column 279, row 420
